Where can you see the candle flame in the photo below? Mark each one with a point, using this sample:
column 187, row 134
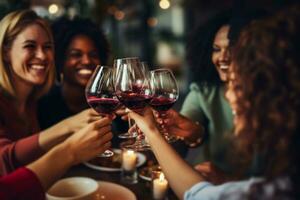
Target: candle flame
column 161, row 177
column 130, row 152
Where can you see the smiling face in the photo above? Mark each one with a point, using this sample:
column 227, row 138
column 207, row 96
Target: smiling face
column 220, row 54
column 31, row 56
column 82, row 57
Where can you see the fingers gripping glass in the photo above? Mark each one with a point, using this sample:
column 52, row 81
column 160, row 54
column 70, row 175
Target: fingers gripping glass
column 133, row 90
column 101, row 96
column 165, row 94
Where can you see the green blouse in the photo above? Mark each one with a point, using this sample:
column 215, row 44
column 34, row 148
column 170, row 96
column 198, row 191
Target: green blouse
column 209, row 107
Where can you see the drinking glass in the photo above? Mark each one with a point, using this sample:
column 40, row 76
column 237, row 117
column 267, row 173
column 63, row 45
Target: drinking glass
column 133, row 90
column 165, row 94
column 101, row 96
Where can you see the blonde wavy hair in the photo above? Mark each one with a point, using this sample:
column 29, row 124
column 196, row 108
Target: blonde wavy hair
column 11, row 26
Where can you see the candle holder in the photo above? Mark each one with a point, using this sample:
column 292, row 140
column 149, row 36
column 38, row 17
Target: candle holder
column 159, row 185
column 129, row 172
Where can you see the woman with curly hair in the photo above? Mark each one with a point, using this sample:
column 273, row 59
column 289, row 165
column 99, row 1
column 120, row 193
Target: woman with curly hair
column 264, row 92
column 79, row 47
column 206, row 116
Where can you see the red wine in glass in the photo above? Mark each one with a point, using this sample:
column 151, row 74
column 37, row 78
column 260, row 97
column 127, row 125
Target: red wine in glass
column 133, row 90
column 165, row 94
column 101, row 96
column 161, row 103
column 104, row 106
column 134, row 101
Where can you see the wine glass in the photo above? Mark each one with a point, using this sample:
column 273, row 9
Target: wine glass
column 165, row 94
column 133, row 90
column 117, row 68
column 101, row 96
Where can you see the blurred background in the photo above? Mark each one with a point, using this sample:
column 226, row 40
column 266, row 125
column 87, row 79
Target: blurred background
column 154, row 30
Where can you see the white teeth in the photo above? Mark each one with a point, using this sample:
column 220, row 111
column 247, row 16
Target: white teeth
column 85, row 71
column 38, row 67
column 224, row 66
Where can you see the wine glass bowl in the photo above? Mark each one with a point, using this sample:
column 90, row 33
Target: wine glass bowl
column 165, row 94
column 133, row 90
column 101, row 96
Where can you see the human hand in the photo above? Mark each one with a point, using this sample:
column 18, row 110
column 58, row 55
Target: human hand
column 211, row 173
column 122, row 113
column 80, row 120
column 146, row 122
column 90, row 141
column 179, row 125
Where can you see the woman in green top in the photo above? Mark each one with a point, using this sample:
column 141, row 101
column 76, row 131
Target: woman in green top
column 206, row 115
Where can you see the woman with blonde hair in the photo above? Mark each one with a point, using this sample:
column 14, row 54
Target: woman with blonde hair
column 26, row 73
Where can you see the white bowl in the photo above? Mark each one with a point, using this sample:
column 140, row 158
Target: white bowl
column 75, row 188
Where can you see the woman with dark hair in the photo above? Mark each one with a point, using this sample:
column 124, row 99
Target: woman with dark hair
column 206, row 115
column 80, row 46
column 264, row 93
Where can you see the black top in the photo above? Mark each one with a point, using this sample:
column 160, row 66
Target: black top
column 52, row 109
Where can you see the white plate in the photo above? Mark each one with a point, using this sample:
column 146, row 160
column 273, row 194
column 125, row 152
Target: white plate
column 112, row 191
column 141, row 161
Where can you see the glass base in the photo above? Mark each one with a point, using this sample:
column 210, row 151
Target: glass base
column 139, row 146
column 127, row 135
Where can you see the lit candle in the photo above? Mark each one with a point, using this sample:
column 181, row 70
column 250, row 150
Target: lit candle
column 129, row 160
column 160, row 187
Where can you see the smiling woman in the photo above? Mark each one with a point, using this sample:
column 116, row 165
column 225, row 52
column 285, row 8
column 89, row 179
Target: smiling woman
column 206, row 117
column 80, row 46
column 27, row 72
column 17, row 42
column 35, row 57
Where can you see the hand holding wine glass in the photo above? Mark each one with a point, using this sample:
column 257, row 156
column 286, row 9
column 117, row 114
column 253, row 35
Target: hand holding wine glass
column 133, row 90
column 101, row 96
column 165, row 94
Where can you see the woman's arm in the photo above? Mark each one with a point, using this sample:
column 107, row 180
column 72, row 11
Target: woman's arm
column 15, row 153
column 31, row 182
column 81, row 146
column 60, row 131
column 180, row 175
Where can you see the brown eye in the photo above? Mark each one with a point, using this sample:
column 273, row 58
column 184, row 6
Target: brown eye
column 29, row 46
column 93, row 55
column 216, row 49
column 75, row 54
column 48, row 47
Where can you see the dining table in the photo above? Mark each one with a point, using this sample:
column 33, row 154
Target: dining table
column 142, row 189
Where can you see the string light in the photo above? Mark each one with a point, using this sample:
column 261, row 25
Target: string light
column 164, row 4
column 152, row 21
column 119, row 15
column 53, row 9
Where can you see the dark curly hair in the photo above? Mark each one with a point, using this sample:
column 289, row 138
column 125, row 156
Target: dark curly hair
column 65, row 30
column 199, row 50
column 266, row 64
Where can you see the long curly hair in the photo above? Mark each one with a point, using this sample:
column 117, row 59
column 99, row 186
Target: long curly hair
column 266, row 64
column 200, row 48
